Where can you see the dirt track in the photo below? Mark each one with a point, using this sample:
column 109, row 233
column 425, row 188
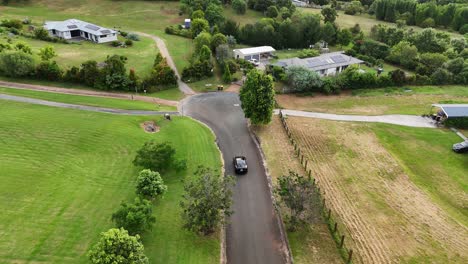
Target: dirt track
column 389, row 219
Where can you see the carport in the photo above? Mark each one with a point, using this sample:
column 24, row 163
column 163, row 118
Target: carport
column 257, row 53
column 447, row 111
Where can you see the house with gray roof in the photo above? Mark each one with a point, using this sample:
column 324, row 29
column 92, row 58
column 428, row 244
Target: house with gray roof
column 77, row 29
column 325, row 65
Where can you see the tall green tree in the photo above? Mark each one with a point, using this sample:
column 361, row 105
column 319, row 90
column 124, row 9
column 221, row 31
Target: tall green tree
column 135, row 217
column 258, row 97
column 227, row 74
column 329, row 14
column 344, row 37
column 117, row 246
column 17, row 64
column 205, row 197
column 214, row 14
column 240, row 6
column 199, row 25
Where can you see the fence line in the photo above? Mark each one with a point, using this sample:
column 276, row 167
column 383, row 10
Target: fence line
column 338, row 236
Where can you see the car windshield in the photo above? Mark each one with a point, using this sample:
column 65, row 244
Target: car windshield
column 241, row 162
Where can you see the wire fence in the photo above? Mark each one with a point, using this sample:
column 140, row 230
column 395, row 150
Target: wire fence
column 330, row 217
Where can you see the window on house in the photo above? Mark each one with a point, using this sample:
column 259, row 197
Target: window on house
column 337, row 69
column 322, row 71
column 103, row 36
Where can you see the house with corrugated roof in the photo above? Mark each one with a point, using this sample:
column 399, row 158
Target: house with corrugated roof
column 325, row 64
column 77, row 29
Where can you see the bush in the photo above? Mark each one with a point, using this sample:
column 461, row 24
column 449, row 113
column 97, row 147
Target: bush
column 464, row 29
column 116, row 246
column 398, row 77
column 129, row 42
column 428, row 22
column 458, row 122
column 123, row 34
column 17, row 64
column 197, row 71
column 272, row 11
column 135, row 217
column 301, row 79
column 239, row 6
column 42, row 34
column 50, row 71
column 307, row 53
column 72, row 75
column 150, row 184
column 133, row 36
column 155, row 156
column 116, row 43
column 175, row 30
column 12, row 23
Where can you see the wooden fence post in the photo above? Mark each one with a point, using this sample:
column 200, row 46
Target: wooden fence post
column 329, row 213
column 302, row 159
column 335, row 227
column 305, row 166
column 342, row 241
column 313, row 182
column 323, row 204
column 350, row 255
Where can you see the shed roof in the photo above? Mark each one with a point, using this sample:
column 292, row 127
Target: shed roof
column 76, row 24
column 322, row 62
column 454, row 110
column 255, row 50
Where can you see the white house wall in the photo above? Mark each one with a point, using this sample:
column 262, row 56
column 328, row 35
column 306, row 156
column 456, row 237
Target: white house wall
column 109, row 38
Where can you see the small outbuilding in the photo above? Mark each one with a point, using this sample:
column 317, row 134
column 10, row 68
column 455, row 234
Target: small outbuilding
column 449, row 111
column 257, row 53
column 77, row 29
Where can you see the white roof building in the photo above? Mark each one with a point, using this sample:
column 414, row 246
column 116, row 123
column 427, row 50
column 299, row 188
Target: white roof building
column 74, row 28
column 325, row 64
column 253, row 53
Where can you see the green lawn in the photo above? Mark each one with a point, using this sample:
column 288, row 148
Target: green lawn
column 427, row 157
column 88, row 100
column 413, row 100
column 64, row 172
column 140, row 55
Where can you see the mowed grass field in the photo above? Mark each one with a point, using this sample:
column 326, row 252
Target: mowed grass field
column 63, row 172
column 414, row 100
column 398, row 193
column 88, row 100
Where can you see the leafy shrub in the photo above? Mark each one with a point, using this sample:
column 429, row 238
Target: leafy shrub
column 48, row 70
column 155, row 156
column 41, row 33
column 150, row 184
column 129, row 42
column 464, row 29
column 133, row 36
column 307, row 53
column 240, row 6
column 458, row 122
column 301, row 79
column 72, row 75
column 135, row 217
column 175, row 30
column 123, row 34
column 428, row 22
column 12, row 23
column 197, row 71
column 116, row 43
column 17, row 64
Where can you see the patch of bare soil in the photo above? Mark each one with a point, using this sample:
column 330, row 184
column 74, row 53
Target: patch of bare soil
column 149, row 127
column 388, row 219
column 233, row 88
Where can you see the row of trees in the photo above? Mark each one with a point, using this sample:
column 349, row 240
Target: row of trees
column 205, row 203
column 429, row 14
column 17, row 61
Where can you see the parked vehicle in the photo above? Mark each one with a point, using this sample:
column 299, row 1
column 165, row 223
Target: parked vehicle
column 254, row 62
column 240, row 164
column 461, row 147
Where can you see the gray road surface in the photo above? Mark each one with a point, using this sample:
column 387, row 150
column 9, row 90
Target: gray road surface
column 82, row 107
column 253, row 234
column 403, row 120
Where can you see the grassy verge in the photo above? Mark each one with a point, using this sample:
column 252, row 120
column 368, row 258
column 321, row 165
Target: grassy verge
column 169, row 94
column 311, row 243
column 88, row 100
column 64, row 172
column 414, row 100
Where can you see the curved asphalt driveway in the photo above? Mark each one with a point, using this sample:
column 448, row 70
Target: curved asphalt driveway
column 253, row 234
column 82, row 107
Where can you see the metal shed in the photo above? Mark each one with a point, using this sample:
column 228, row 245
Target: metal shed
column 453, row 110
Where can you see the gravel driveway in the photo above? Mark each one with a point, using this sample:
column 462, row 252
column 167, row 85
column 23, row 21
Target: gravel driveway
column 403, row 120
